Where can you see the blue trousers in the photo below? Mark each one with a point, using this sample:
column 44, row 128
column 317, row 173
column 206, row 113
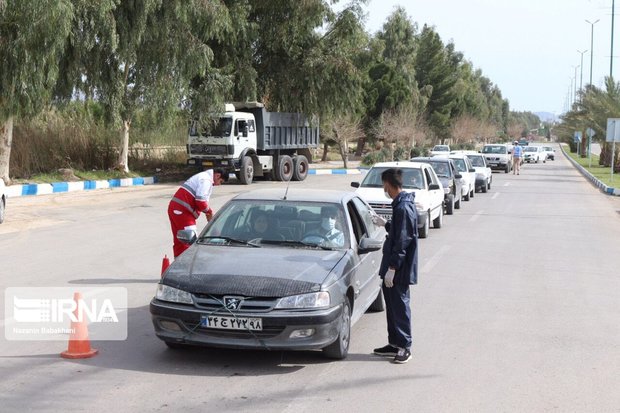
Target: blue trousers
column 398, row 313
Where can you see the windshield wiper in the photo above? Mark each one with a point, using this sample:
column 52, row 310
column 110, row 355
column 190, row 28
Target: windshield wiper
column 298, row 243
column 229, row 239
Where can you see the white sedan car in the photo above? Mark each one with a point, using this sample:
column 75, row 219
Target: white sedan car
column 484, row 174
column 468, row 173
column 419, row 178
column 534, row 154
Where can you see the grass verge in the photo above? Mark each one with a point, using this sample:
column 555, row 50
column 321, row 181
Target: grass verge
column 602, row 173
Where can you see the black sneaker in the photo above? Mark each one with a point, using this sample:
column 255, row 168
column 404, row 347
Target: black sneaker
column 402, row 357
column 386, row 351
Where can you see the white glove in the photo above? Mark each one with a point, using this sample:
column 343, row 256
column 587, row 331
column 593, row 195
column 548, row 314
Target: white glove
column 389, row 278
column 379, row 221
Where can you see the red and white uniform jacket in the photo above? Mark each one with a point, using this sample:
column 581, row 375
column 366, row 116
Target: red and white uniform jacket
column 194, row 194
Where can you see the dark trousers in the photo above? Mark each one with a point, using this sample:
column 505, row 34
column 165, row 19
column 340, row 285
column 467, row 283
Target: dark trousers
column 398, row 313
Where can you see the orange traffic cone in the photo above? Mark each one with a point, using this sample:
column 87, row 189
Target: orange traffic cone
column 79, row 344
column 165, row 263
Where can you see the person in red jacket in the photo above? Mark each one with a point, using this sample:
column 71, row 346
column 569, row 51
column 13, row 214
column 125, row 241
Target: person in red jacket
column 190, row 200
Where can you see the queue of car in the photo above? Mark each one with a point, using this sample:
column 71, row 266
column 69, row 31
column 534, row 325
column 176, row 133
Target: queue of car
column 331, row 247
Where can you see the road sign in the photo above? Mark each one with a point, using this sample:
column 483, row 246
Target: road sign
column 577, row 136
column 613, row 130
column 590, row 132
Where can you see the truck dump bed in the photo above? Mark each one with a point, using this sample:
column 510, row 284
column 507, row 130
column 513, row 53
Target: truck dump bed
column 277, row 130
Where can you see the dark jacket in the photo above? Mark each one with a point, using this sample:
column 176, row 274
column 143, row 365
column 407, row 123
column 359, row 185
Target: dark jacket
column 400, row 249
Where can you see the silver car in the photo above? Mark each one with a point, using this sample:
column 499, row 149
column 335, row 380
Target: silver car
column 293, row 286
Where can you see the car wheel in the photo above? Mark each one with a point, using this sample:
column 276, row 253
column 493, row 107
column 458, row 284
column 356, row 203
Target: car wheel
column 2, row 209
column 450, row 205
column 438, row 222
column 472, row 192
column 340, row 348
column 423, row 233
column 300, row 168
column 466, row 197
column 284, row 171
column 484, row 188
column 457, row 203
column 489, row 184
column 247, row 170
column 377, row 305
column 507, row 168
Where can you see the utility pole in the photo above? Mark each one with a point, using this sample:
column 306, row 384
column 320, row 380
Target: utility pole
column 611, row 59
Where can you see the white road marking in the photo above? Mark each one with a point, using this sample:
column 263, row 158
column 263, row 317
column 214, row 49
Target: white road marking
column 507, row 183
column 495, row 195
column 475, row 217
column 428, row 267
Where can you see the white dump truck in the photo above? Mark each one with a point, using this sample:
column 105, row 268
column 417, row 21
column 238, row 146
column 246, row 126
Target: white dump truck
column 252, row 142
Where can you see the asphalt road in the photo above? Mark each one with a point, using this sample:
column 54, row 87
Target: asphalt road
column 517, row 310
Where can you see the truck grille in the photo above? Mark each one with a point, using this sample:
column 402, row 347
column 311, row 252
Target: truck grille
column 201, row 149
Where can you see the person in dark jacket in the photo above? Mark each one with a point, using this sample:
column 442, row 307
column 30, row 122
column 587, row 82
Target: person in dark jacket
column 399, row 266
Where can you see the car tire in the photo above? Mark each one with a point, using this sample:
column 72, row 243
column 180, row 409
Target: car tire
column 484, row 188
column 457, row 203
column 423, row 233
column 490, row 182
column 284, row 171
column 300, row 168
column 378, row 305
column 507, row 169
column 438, row 222
column 473, row 192
column 339, row 349
column 466, row 197
column 2, row 209
column 247, row 170
column 450, row 205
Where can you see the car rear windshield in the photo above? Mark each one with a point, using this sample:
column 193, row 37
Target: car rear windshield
column 442, row 169
column 476, row 160
column 412, row 178
column 441, row 148
column 494, row 149
column 531, row 149
column 460, row 165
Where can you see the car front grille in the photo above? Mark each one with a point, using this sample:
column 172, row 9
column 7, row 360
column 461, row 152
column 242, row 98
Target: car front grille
column 382, row 208
column 248, row 304
column 201, row 149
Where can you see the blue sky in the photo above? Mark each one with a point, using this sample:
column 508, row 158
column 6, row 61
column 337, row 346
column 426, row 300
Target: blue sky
column 526, row 47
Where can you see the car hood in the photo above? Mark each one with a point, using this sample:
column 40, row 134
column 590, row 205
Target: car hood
column 254, row 272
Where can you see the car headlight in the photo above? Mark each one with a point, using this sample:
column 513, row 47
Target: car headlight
column 173, row 295
column 312, row 300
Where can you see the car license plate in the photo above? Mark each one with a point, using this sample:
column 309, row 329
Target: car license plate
column 207, row 163
column 231, row 323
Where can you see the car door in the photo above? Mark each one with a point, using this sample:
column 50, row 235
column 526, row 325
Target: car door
column 365, row 280
column 436, row 195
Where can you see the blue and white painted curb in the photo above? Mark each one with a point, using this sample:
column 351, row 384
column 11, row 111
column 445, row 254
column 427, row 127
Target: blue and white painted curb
column 59, row 187
column 604, row 188
column 334, row 171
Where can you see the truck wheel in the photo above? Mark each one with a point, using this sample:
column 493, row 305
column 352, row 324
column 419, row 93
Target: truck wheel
column 284, row 172
column 247, row 170
column 300, row 170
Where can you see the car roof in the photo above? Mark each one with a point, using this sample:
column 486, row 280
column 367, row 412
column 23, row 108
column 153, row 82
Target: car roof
column 297, row 194
column 464, row 153
column 399, row 164
column 425, row 159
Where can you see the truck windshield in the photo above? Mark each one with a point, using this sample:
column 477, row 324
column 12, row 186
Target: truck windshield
column 216, row 127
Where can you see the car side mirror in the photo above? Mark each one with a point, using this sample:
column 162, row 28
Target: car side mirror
column 509, row 152
column 368, row 245
column 472, row 170
column 355, row 184
column 458, row 176
column 186, row 236
column 433, row 187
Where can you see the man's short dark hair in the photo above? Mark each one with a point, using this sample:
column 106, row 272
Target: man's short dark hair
column 393, row 176
column 222, row 173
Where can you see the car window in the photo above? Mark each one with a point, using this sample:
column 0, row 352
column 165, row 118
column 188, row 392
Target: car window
column 476, row 160
column 460, row 165
column 531, row 149
column 412, row 178
column 497, row 149
column 364, row 212
column 429, row 177
column 441, row 168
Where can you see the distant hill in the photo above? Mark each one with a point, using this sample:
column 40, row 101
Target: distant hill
column 547, row 116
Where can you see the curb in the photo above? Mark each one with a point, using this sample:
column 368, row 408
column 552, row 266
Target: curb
column 594, row 180
column 14, row 191
column 59, row 187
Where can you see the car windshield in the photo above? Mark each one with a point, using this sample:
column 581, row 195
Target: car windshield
column 531, row 149
column 546, row 148
column 412, row 178
column 274, row 223
column 460, row 164
column 442, row 169
column 494, row 149
column 476, row 160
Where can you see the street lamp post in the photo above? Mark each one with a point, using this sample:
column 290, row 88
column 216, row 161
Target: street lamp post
column 592, row 45
column 581, row 73
column 575, row 84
